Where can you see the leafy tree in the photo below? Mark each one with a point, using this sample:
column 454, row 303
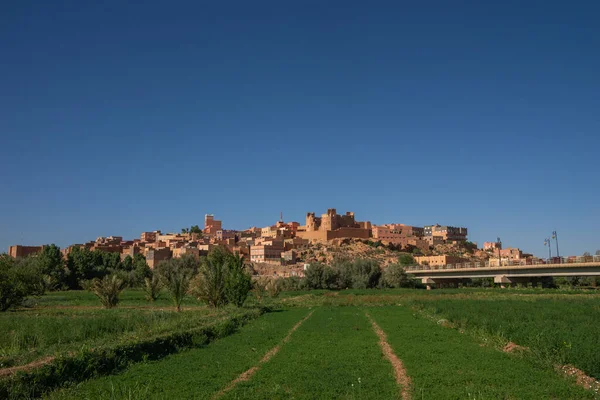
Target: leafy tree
column 238, row 282
column 365, row 274
column 406, row 260
column 106, row 289
column 274, row 287
column 141, row 270
column 18, row 280
column 314, row 275
column 84, row 264
column 51, row 264
column 127, row 264
column 394, row 276
column 185, row 230
column 195, row 229
column 176, row 275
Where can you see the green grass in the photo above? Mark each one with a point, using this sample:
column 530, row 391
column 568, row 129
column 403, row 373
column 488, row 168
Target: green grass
column 558, row 330
column 445, row 364
column 63, row 322
column 334, row 354
column 198, row 373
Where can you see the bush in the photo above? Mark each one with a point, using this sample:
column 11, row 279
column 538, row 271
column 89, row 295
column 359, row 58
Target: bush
column 274, row 287
column 152, row 286
column 176, row 275
column 106, row 289
column 18, row 279
column 238, row 282
column 365, row 274
column 209, row 284
column 394, row 276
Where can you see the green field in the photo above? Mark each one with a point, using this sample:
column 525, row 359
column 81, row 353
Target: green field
column 321, row 344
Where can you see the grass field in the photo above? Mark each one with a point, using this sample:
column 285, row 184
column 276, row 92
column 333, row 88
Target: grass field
column 557, row 330
column 66, row 321
column 321, row 344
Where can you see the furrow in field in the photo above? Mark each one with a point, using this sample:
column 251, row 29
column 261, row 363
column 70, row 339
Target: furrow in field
column 247, row 375
column 402, row 378
column 443, row 363
column 333, row 355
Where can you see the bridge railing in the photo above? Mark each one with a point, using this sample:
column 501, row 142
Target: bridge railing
column 507, row 263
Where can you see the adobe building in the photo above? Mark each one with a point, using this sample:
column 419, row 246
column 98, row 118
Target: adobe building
column 23, row 251
column 211, row 225
column 155, row 256
column 332, row 225
column 440, row 260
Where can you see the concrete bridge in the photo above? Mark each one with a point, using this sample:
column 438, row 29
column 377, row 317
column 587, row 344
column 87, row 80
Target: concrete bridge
column 508, row 273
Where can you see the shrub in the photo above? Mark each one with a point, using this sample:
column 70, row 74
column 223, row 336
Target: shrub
column 152, row 286
column 394, row 276
column 365, row 274
column 238, row 282
column 259, row 288
column 274, row 287
column 106, row 289
column 176, row 275
column 209, row 284
column 18, row 279
column 406, row 259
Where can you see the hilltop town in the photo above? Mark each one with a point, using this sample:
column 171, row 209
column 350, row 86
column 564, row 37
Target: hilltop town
column 283, row 249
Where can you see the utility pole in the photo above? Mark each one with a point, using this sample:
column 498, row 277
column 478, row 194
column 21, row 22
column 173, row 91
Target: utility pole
column 548, row 243
column 555, row 237
column 499, row 246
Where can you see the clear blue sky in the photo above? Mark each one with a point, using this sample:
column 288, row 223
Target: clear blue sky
column 118, row 118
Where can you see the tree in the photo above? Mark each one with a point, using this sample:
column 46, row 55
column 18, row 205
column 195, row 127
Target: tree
column 106, row 289
column 209, row 284
column 195, row 229
column 18, row 280
column 51, row 264
column 141, row 270
column 365, row 274
column 395, row 276
column 406, row 259
column 314, row 275
column 84, row 264
column 127, row 264
column 185, row 230
column 176, row 275
column 238, row 282
column 152, row 287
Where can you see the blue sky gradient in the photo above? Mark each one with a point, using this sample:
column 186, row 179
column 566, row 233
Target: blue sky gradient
column 120, row 118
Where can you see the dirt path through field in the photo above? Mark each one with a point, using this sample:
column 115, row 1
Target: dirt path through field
column 402, row 378
column 245, row 376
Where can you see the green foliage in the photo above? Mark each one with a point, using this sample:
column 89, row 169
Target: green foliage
column 195, row 229
column 51, row 264
column 106, row 289
column 209, row 284
column 238, row 282
column 84, row 264
column 395, row 276
column 557, row 330
column 406, row 260
column 176, row 275
column 88, row 363
column 18, row 279
column 274, row 287
column 152, row 286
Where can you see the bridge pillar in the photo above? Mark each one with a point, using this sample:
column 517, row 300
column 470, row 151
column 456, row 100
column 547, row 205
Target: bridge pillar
column 427, row 282
column 502, row 280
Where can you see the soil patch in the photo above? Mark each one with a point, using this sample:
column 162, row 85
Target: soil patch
column 402, row 378
column 581, row 378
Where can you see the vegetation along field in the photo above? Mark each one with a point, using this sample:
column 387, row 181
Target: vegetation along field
column 207, row 331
